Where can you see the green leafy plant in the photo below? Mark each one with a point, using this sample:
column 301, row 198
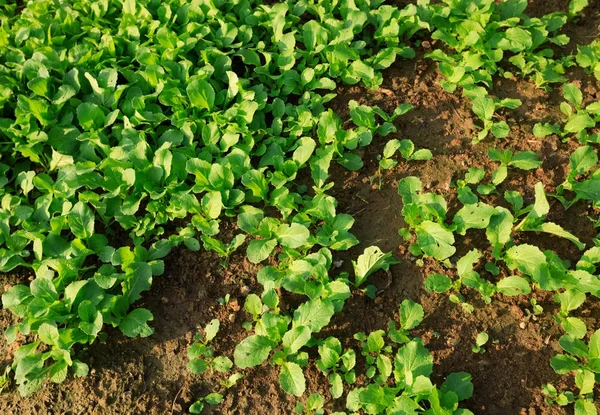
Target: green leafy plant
column 578, row 119
column 370, row 261
column 400, row 381
column 210, row 399
column 201, row 353
column 132, row 127
column 588, row 57
column 337, row 365
column 313, row 406
column 480, row 341
column 581, row 360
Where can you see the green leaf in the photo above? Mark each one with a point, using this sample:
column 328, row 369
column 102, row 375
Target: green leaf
column 481, row 339
column 574, row 346
column 43, row 288
column 411, row 314
column 375, row 398
column 500, row 227
column 483, row 107
column 574, row 326
column 411, row 361
column 500, row 129
column 48, row 333
column 582, row 159
column 476, row 216
column 315, row 314
column 201, row 94
column 513, row 285
column 90, row 116
column 260, row 249
column 293, row 236
column 459, row 383
column 573, row 94
column 337, row 387
column 570, row 300
column 197, row 407
column 213, row 398
column 296, row 338
column 197, row 366
column 81, row 220
column 525, row 160
column 575, row 6
column 375, row 341
column 135, row 323
column 554, row 229
column 435, row 241
column 291, row 379
column 584, row 407
column 438, row 283
column 563, row 364
column 543, row 130
column 370, row 261
column 594, row 344
column 526, row 258
column 579, row 122
column 91, row 319
column 80, row 369
column 252, row 351
column 585, row 381
column 211, row 329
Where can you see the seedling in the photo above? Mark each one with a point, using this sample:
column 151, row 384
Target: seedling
column 313, row 406
column 480, row 341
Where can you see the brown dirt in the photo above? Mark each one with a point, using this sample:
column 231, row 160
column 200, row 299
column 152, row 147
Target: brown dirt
column 148, row 376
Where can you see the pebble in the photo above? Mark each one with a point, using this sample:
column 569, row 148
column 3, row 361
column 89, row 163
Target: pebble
column 453, row 341
column 245, row 290
column 522, row 324
column 379, row 300
column 234, row 305
column 231, row 318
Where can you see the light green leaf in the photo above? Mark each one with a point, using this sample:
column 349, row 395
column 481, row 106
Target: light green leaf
column 90, row 116
column 573, row 94
column 370, row 261
column 435, row 241
column 295, row 338
column 201, row 94
column 411, row 314
column 582, row 159
column 81, row 220
column 135, row 323
column 252, row 351
column 526, row 258
column 260, row 249
column 438, row 283
column 315, row 314
column 513, row 285
column 291, row 379
column 293, row 236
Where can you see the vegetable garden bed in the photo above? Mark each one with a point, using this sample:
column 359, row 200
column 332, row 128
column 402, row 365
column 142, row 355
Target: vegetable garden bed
column 194, row 221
